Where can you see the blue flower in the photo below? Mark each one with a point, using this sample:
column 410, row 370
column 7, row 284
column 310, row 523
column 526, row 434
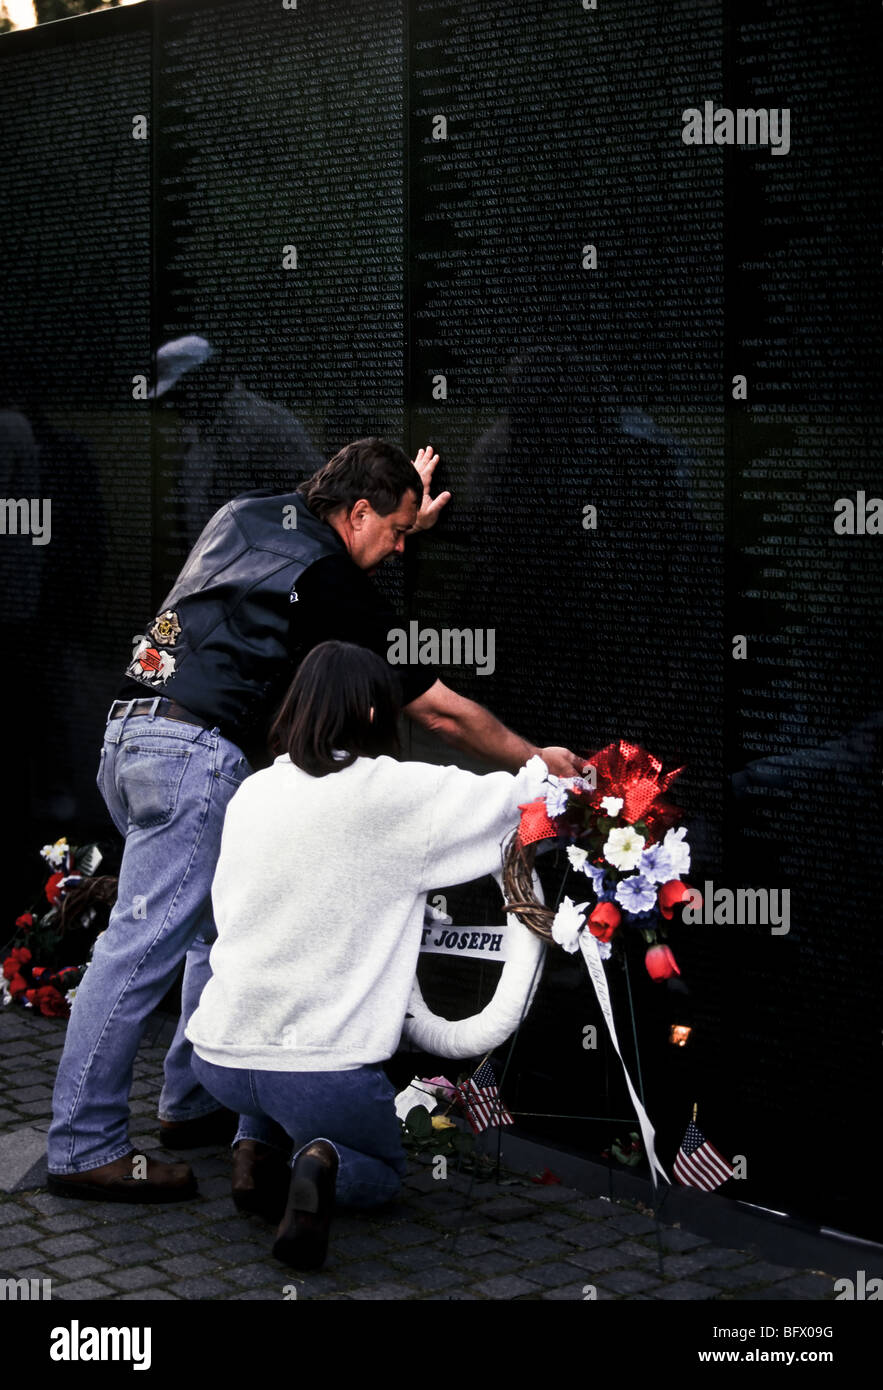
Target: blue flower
column 636, row 894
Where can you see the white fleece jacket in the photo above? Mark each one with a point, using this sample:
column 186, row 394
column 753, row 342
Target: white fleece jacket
column 319, row 896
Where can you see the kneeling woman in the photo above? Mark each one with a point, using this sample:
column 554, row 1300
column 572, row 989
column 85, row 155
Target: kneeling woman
column 326, row 860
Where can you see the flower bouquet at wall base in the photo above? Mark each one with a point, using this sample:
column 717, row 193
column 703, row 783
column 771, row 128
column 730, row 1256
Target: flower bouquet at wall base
column 45, row 960
column 623, row 848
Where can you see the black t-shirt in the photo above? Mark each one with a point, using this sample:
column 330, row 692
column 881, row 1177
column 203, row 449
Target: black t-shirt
column 336, row 601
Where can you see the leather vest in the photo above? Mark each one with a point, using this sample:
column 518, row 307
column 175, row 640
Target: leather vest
column 221, row 643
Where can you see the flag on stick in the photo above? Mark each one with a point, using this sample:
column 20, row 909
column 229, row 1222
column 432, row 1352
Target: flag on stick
column 482, row 1101
column 698, row 1163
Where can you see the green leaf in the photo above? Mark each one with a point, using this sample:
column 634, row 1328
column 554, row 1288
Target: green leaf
column 418, row 1122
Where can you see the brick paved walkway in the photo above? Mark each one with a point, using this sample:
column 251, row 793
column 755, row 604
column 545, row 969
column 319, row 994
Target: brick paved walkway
column 513, row 1241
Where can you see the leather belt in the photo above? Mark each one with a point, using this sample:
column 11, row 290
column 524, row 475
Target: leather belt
column 167, row 709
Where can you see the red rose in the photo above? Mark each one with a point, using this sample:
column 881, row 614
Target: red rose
column 13, row 964
column 25, row 921
column 50, row 1003
column 17, row 986
column 674, row 892
column 660, row 963
column 52, row 892
column 604, row 920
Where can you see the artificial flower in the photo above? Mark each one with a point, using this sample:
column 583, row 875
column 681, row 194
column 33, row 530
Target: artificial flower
column 442, row 1122
column 55, row 855
column 678, row 850
column 656, row 865
column 17, row 985
column 556, row 798
column 605, row 950
column 13, row 963
column 675, row 892
column 577, row 856
column 596, row 874
column 25, row 921
column 53, row 888
column 636, row 894
column 611, row 804
column 603, row 920
column 568, row 924
column 546, row 1178
column 624, row 848
column 441, row 1084
column 50, row 1003
column 660, row 963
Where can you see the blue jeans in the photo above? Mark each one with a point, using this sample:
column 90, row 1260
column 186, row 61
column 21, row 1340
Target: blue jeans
column 353, row 1110
column 166, row 785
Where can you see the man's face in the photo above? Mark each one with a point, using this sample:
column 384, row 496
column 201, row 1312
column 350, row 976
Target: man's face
column 372, row 538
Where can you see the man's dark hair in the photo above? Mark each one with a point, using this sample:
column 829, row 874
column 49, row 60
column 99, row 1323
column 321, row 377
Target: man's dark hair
column 371, row 468
column 327, row 709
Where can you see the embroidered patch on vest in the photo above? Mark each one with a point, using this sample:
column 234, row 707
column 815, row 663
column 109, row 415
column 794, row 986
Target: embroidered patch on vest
column 149, row 665
column 166, row 630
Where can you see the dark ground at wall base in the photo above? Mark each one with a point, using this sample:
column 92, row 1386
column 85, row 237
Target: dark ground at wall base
column 444, row 1240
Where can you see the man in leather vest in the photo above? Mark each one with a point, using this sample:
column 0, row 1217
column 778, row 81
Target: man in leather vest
column 271, row 576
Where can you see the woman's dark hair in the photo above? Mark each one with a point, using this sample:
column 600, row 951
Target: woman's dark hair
column 328, row 708
column 371, row 468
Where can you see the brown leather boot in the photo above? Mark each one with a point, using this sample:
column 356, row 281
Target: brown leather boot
column 133, row 1178
column 261, row 1176
column 302, row 1238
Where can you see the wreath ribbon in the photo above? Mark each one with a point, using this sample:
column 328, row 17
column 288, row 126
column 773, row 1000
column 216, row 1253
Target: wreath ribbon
column 589, row 947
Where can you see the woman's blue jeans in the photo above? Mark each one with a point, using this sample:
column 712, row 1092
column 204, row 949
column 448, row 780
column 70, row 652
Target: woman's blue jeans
column 353, row 1110
column 166, row 785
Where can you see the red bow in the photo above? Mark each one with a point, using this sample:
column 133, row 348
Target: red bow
column 622, row 769
column 535, row 823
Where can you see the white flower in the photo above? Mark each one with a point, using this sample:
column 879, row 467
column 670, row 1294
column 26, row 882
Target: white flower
column 604, row 949
column 556, row 797
column 5, row 996
column 577, row 856
column 56, row 855
column 675, row 844
column 71, row 995
column 568, row 923
column 624, row 847
column 611, row 804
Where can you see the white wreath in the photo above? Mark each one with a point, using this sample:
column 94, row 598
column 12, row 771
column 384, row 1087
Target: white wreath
column 474, row 1036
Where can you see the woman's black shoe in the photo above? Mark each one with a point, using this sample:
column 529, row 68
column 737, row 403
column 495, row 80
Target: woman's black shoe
column 302, row 1238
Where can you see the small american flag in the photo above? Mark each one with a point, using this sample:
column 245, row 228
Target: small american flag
column 481, row 1098
column 698, row 1163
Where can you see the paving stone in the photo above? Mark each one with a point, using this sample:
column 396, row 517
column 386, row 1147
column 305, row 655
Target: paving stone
column 636, row 1253
column 141, row 1277
column 717, row 1257
column 504, row 1209
column 539, row 1248
column 19, row 1256
column 163, row 1221
column 559, row 1221
column 494, row 1262
column 589, row 1235
column 803, row 1286
column 441, row 1278
column 69, row 1244
column 634, row 1224
column 552, row 1194
column 20, row 1093
column 78, row 1267
column 127, row 1232
column 674, row 1239
column 14, row 1211
column 418, row 1257
column 205, row 1287
column 49, row 1205
column 251, row 1275
column 679, row 1266
column 21, row 1235
column 241, row 1252
column 596, row 1261
column 83, row 1289
column 137, row 1253
column 684, row 1291
column 566, row 1293
column 451, row 1296
column 7, row 1117
column 258, row 1296
column 377, row 1293
column 628, row 1280
column 597, row 1206
column 68, row 1221
column 746, row 1276
column 363, row 1272
column 505, row 1286
column 408, row 1233
column 149, row 1296
column 182, row 1265
column 553, row 1274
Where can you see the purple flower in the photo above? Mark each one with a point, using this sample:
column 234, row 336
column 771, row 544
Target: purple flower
column 636, row 894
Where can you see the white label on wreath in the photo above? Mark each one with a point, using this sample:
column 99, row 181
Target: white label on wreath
column 473, row 943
